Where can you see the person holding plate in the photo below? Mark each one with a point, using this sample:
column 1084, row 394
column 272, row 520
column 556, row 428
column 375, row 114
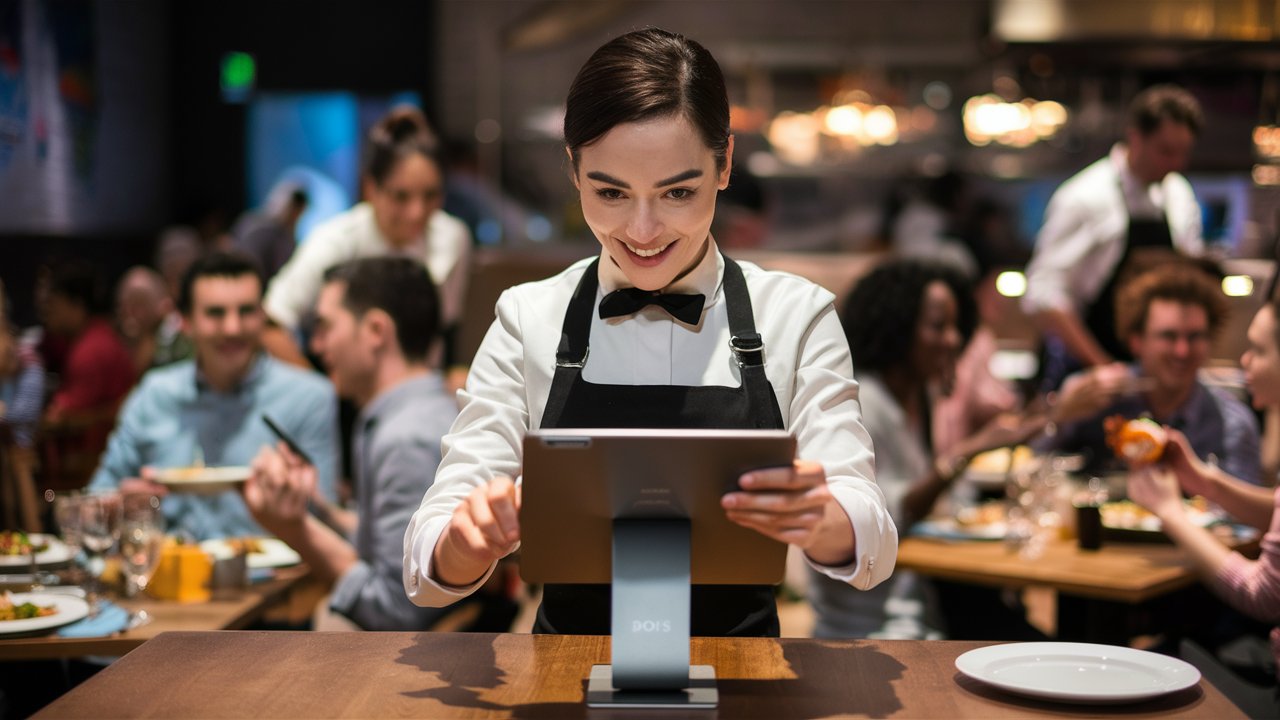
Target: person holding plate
column 680, row 336
column 207, row 411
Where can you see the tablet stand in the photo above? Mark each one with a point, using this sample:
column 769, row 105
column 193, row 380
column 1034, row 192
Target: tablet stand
column 650, row 651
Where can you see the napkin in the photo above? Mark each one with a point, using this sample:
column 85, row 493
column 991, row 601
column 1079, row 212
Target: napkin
column 111, row 618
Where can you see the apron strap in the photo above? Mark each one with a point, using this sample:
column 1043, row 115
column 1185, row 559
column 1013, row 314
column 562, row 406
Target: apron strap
column 746, row 343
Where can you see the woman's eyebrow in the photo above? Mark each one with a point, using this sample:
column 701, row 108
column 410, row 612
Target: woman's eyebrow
column 679, row 177
column 602, row 177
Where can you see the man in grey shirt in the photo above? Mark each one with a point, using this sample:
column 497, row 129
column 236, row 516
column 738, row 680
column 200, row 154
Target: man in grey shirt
column 377, row 319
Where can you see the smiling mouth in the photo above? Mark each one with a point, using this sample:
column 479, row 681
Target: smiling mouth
column 647, row 253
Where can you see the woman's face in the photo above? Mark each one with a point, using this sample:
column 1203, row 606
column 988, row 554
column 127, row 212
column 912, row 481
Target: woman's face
column 1261, row 361
column 406, row 199
column 938, row 341
column 648, row 192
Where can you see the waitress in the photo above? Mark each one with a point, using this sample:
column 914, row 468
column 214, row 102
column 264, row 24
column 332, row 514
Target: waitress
column 647, row 135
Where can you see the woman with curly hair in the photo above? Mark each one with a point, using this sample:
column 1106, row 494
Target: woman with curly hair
column 907, row 322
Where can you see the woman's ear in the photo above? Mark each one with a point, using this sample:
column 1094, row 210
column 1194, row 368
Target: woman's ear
column 573, row 171
column 728, row 166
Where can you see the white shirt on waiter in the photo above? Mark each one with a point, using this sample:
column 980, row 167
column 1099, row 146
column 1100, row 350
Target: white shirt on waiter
column 1086, row 225
column 806, row 360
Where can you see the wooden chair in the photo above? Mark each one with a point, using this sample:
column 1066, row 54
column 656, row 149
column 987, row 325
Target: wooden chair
column 17, row 484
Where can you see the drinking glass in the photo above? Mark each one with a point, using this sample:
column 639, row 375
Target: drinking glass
column 67, row 518
column 100, row 515
column 141, row 540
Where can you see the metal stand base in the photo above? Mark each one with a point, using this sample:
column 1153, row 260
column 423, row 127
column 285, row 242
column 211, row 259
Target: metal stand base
column 700, row 695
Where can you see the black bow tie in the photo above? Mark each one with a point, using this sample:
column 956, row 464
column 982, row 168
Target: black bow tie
column 627, row 301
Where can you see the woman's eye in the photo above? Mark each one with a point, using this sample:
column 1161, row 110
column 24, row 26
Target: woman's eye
column 680, row 193
column 609, row 193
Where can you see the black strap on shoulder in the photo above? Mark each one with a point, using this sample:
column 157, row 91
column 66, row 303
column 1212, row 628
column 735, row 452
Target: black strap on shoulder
column 575, row 333
column 746, row 343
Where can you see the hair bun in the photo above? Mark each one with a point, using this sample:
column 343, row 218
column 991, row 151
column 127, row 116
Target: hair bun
column 403, row 124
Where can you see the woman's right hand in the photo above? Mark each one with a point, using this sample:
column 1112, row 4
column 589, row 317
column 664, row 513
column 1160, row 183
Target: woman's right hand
column 1193, row 474
column 485, row 527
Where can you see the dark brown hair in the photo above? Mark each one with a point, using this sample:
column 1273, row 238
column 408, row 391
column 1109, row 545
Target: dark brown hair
column 400, row 133
column 1180, row 282
column 1159, row 103
column 648, row 74
column 402, row 289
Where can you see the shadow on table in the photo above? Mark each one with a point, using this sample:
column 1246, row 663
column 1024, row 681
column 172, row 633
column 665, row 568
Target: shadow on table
column 1181, row 700
column 467, row 670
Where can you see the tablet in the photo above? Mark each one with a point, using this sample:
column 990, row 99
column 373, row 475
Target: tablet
column 577, row 482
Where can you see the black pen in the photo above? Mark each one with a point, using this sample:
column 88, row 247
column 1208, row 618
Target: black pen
column 287, row 440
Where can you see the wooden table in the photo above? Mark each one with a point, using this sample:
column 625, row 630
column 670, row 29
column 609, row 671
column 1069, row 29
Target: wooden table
column 1097, row 590
column 444, row 675
column 234, row 611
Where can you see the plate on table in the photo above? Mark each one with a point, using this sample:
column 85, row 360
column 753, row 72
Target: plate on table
column 203, row 480
column 263, row 552
column 1077, row 672
column 67, row 609
column 1127, row 521
column 950, row 529
column 49, row 551
column 991, row 469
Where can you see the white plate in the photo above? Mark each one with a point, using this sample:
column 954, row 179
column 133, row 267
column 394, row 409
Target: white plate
column 1077, row 672
column 70, row 609
column 275, row 553
column 203, row 481
column 56, row 553
column 949, row 529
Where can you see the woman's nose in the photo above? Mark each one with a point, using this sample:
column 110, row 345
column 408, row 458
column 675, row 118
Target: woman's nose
column 644, row 225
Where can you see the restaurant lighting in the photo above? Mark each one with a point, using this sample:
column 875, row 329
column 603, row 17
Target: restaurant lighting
column 881, row 125
column 1266, row 175
column 1011, row 284
column 794, row 136
column 1266, row 142
column 844, row 120
column 1237, row 286
column 989, row 118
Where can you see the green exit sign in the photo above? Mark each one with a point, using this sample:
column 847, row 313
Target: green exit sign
column 239, row 72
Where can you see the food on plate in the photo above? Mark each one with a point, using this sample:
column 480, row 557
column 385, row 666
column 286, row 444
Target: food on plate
column 985, row 514
column 22, row 611
column 1128, row 515
column 244, row 545
column 1136, row 440
column 178, row 474
column 19, row 543
column 1001, row 460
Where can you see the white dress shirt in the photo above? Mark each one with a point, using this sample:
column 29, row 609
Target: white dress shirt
column 444, row 248
column 1087, row 222
column 806, row 360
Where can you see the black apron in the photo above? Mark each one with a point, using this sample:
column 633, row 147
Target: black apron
column 1100, row 317
column 717, row 610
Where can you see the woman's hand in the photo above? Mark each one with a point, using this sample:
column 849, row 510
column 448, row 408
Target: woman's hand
column 485, row 527
column 1088, row 393
column 792, row 505
column 278, row 489
column 1155, row 489
column 1192, row 473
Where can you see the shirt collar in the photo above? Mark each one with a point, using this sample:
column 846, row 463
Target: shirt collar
column 1135, row 191
column 704, row 278
column 391, row 399
column 257, row 367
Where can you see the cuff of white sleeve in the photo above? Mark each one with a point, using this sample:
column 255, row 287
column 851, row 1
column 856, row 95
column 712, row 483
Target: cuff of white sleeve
column 876, row 543
column 424, row 590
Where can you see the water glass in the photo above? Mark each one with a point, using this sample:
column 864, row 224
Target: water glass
column 141, row 541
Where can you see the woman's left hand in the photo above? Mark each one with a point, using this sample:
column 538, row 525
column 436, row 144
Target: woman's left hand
column 787, row 504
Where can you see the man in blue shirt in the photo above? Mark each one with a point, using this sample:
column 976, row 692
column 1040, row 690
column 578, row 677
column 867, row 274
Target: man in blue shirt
column 1167, row 317
column 209, row 409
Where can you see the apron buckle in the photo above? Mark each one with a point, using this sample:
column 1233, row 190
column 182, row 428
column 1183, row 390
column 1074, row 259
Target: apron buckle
column 561, row 363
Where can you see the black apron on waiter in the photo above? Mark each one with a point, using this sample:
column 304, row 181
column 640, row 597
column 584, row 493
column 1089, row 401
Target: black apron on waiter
column 717, row 610
column 1100, row 317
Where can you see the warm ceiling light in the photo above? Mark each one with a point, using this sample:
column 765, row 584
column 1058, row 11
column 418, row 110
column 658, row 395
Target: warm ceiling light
column 1011, row 284
column 844, row 120
column 881, row 125
column 1237, row 286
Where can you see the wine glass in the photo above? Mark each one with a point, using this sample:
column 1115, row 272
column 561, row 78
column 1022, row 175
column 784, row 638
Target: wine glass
column 67, row 517
column 100, row 515
column 141, row 539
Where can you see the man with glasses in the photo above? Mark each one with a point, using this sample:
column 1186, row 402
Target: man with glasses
column 1168, row 318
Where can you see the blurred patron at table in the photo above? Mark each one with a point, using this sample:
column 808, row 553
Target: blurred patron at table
column 97, row 370
column 1252, row 586
column 376, row 320
column 268, row 234
column 1168, row 317
column 149, row 321
column 907, row 322
column 402, row 215
column 208, row 410
column 1116, row 216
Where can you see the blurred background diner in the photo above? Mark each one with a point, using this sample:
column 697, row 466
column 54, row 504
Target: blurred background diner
column 994, row 161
